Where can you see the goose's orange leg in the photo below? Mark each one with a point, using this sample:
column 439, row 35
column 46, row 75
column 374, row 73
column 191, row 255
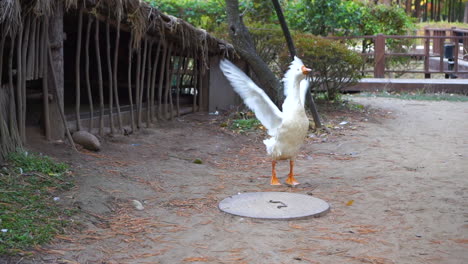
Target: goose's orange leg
column 290, row 180
column 274, row 180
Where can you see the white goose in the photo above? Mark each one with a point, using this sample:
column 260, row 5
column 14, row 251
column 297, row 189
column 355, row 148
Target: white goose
column 287, row 128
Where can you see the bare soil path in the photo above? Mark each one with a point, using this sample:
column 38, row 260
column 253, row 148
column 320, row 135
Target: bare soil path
column 397, row 183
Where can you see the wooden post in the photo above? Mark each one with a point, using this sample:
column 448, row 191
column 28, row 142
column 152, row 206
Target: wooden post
column 142, row 82
column 441, row 55
column 56, row 45
column 130, row 96
column 101, row 88
column 23, row 63
column 88, row 82
column 153, row 81
column 138, row 83
column 168, row 80
column 110, row 78
column 77, row 71
column 148, row 83
column 427, row 53
column 161, row 78
column 45, row 78
column 379, row 55
column 115, row 71
column 31, row 49
column 2, row 45
column 19, row 85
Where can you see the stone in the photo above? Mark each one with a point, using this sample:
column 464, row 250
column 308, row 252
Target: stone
column 87, row 140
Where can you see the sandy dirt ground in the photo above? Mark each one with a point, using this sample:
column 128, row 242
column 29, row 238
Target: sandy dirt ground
column 396, row 180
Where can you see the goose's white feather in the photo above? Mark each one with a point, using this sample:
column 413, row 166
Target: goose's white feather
column 254, row 97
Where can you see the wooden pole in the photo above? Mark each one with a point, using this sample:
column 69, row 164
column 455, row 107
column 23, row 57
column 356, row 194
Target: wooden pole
column 31, row 49
column 110, row 77
column 148, row 85
column 171, row 105
column 138, row 84
column 130, row 96
column 153, row 81
column 161, row 79
column 24, row 62
column 200, row 86
column 101, row 88
column 181, row 68
column 142, row 82
column 116, row 83
column 195, row 83
column 12, row 122
column 45, row 77
column 2, row 46
column 77, row 71
column 37, row 64
column 168, row 81
column 88, row 82
column 19, row 85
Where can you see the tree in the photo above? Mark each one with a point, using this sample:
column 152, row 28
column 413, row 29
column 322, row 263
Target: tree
column 292, row 52
column 245, row 47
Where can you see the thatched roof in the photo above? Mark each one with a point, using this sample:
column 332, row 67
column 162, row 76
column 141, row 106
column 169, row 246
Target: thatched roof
column 135, row 16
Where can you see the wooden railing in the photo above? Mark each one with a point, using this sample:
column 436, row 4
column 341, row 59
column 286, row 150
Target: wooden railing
column 430, row 46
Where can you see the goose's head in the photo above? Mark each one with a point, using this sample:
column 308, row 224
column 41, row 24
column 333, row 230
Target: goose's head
column 297, row 71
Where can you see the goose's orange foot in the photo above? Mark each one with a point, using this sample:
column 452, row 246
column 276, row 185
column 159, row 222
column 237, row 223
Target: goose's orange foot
column 274, row 181
column 291, row 181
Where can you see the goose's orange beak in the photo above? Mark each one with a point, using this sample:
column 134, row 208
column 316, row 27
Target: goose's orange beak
column 305, row 70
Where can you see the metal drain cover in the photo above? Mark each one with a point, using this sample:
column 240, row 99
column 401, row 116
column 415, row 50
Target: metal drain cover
column 274, row 205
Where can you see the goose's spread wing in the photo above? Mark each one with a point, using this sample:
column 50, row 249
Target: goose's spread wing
column 254, row 97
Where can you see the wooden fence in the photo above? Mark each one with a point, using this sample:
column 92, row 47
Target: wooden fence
column 431, row 46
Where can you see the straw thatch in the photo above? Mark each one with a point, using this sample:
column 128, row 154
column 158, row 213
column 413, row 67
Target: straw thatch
column 134, row 15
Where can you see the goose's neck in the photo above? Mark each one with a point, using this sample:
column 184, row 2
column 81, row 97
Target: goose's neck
column 293, row 97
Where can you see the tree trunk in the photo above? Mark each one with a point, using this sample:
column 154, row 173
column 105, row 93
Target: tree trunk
column 292, row 51
column 245, row 47
column 417, row 7
column 56, row 46
column 408, row 7
column 284, row 27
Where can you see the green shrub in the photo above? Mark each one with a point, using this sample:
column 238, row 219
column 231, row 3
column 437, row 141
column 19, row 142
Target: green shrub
column 335, row 66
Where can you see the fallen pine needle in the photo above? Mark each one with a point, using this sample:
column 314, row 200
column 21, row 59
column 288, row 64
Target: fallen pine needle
column 68, row 261
column 344, row 239
column 195, row 259
column 460, row 241
column 295, row 226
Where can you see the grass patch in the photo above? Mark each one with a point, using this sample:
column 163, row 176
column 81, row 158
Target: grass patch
column 242, row 122
column 244, row 125
column 29, row 215
column 419, row 96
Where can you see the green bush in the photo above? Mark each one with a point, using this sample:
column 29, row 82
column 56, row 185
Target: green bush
column 335, row 65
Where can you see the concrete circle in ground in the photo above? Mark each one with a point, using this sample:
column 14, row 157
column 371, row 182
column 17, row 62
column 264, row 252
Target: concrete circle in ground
column 274, row 205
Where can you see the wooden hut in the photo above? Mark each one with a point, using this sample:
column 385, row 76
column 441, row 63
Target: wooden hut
column 106, row 66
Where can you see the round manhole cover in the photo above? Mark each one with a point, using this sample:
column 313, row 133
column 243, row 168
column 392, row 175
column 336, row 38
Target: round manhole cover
column 274, row 205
